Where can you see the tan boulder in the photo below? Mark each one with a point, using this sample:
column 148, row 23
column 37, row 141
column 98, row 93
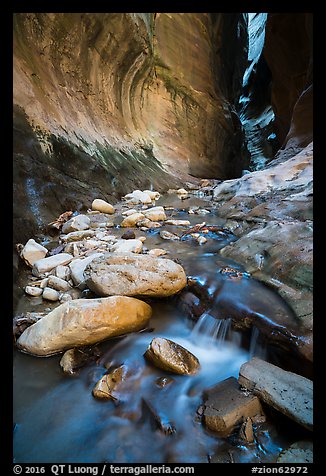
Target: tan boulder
column 134, row 275
column 102, row 206
column 131, row 220
column 170, row 356
column 83, row 322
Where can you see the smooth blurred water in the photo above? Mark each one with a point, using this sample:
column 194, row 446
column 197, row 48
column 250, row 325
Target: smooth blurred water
column 59, row 421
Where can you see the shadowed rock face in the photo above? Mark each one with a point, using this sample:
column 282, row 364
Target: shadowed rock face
column 288, row 53
column 105, row 103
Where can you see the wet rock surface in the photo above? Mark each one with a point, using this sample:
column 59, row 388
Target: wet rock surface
column 134, row 275
column 172, row 357
column 299, row 452
column 226, row 405
column 84, row 321
column 289, row 393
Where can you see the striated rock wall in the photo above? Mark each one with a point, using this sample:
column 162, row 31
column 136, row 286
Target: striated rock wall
column 108, row 102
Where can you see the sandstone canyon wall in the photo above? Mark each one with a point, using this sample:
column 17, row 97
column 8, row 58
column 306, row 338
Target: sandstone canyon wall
column 106, row 103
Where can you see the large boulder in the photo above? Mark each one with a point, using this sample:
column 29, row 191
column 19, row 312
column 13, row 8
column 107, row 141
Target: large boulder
column 84, row 322
column 287, row 392
column 130, row 274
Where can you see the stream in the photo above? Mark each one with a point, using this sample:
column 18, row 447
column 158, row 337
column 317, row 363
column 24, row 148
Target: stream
column 58, row 420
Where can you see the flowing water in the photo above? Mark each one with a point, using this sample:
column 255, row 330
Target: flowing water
column 58, row 420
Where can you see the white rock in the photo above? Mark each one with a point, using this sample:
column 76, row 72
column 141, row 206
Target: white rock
column 47, row 264
column 63, row 272
column 44, row 283
column 202, row 211
column 127, row 246
column 50, row 294
column 166, row 235
column 131, row 220
column 153, row 195
column 142, row 238
column 91, row 244
column 84, row 322
column 33, row 291
column 103, row 236
column 77, row 235
column 32, row 252
column 155, row 214
column 201, row 240
column 58, row 283
column 129, row 212
column 77, row 223
column 182, row 191
column 157, row 252
column 138, row 197
column 178, row 222
column 102, row 206
column 77, row 268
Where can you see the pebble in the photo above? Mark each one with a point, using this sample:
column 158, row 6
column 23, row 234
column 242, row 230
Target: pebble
column 50, row 294
column 33, row 291
column 129, row 235
column 58, row 284
column 157, row 252
column 201, row 240
column 178, row 222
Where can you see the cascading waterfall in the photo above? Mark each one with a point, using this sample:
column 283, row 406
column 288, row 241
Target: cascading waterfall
column 210, row 331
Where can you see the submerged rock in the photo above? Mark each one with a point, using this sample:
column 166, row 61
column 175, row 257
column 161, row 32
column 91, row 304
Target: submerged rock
column 134, row 275
column 32, row 252
column 73, row 359
column 102, row 206
column 82, row 322
column 106, row 386
column 172, row 357
column 289, row 393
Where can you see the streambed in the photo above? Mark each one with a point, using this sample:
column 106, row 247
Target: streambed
column 58, row 420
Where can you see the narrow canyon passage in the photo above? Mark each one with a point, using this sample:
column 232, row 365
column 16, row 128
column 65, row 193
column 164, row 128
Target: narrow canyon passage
column 163, row 238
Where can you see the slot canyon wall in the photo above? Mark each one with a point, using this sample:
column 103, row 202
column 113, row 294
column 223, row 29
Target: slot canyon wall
column 107, row 103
